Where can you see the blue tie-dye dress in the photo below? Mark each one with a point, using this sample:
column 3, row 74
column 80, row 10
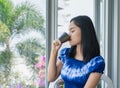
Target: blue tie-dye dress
column 75, row 72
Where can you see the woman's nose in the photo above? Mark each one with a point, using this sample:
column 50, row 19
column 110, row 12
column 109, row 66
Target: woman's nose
column 69, row 34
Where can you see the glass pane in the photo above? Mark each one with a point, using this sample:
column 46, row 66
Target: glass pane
column 67, row 9
column 22, row 43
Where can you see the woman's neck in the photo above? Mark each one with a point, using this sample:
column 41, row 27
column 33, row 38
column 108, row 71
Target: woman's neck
column 79, row 53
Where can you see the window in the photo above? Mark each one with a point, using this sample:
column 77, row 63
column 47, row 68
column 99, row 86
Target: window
column 22, row 43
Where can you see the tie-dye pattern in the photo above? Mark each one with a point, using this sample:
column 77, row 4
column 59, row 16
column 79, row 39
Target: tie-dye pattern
column 75, row 72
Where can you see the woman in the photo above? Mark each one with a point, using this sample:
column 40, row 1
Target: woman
column 80, row 66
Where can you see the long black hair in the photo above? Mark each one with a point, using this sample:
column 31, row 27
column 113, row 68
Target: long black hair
column 89, row 42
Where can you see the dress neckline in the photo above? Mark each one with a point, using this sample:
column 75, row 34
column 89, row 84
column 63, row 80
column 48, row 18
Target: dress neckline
column 76, row 59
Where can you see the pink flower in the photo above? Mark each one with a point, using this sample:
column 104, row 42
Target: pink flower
column 19, row 86
column 43, row 58
column 41, row 82
column 41, row 74
column 41, row 66
column 41, row 63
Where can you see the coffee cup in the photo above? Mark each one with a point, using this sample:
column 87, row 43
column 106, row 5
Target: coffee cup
column 64, row 37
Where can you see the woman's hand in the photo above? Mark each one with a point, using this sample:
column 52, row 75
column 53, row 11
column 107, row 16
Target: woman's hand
column 56, row 45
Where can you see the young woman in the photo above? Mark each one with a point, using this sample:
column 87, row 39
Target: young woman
column 81, row 65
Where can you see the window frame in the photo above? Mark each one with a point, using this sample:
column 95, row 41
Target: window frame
column 106, row 13
column 51, row 32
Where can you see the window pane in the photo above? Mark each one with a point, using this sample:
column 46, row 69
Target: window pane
column 68, row 9
column 22, row 43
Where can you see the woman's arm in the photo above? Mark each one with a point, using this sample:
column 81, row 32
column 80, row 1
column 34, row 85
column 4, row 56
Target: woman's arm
column 93, row 80
column 54, row 65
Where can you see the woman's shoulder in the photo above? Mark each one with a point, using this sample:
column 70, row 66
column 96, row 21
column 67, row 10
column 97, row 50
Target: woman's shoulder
column 63, row 54
column 97, row 59
column 97, row 64
column 64, row 50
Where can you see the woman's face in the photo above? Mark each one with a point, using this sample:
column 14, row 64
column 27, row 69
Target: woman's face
column 75, row 34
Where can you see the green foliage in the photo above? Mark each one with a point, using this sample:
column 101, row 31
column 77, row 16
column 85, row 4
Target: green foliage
column 4, row 57
column 26, row 17
column 4, row 32
column 15, row 21
column 6, row 10
column 5, row 64
column 31, row 49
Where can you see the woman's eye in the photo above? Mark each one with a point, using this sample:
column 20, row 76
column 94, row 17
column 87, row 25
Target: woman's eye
column 72, row 31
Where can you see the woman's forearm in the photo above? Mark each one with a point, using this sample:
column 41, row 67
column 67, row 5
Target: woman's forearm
column 52, row 68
